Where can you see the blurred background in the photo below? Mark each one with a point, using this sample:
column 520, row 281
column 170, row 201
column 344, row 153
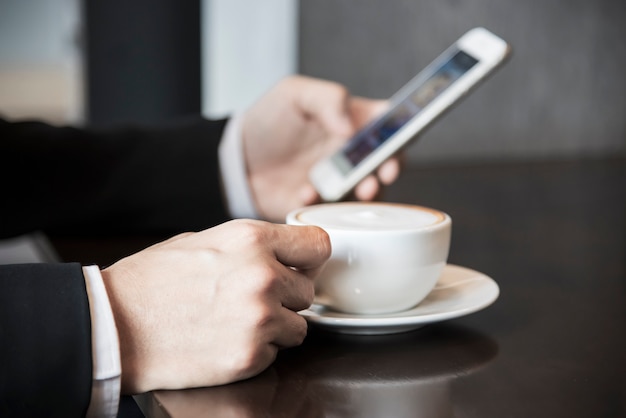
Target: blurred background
column 561, row 96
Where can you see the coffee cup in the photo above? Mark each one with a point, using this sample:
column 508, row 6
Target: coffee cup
column 386, row 257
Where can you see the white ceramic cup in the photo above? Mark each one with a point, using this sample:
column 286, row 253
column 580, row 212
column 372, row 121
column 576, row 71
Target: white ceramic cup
column 386, row 257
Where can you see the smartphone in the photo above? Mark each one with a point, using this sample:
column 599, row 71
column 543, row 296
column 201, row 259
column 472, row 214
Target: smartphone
column 412, row 109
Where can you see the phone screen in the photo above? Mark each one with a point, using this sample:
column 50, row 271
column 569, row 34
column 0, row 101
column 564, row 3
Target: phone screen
column 432, row 85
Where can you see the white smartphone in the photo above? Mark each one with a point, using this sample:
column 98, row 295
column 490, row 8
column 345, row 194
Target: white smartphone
column 412, row 109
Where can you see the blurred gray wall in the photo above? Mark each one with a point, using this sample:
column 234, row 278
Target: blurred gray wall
column 562, row 95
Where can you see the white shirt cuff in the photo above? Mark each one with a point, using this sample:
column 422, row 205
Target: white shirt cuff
column 107, row 367
column 234, row 173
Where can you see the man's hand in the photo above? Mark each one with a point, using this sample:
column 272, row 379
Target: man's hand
column 297, row 123
column 213, row 307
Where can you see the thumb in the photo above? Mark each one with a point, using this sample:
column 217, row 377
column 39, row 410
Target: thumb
column 363, row 110
column 327, row 103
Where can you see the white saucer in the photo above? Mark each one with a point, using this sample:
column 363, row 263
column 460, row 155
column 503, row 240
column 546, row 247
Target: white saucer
column 459, row 291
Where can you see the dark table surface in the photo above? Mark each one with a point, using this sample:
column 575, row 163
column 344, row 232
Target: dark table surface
column 551, row 234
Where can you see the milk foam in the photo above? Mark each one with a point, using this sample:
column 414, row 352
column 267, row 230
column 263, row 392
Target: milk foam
column 369, row 216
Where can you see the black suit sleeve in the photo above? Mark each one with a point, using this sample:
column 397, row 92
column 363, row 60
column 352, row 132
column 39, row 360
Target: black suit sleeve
column 162, row 179
column 45, row 341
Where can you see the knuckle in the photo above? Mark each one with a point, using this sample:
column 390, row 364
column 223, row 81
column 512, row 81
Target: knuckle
column 262, row 317
column 184, row 235
column 264, row 276
column 250, row 233
column 250, row 361
column 340, row 89
column 290, row 80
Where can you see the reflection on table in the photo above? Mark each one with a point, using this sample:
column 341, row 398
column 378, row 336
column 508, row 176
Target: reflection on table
column 401, row 375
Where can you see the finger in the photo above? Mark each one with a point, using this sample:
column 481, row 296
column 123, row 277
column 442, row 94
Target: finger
column 367, row 189
column 304, row 247
column 363, row 110
column 389, row 171
column 292, row 331
column 295, row 290
column 370, row 187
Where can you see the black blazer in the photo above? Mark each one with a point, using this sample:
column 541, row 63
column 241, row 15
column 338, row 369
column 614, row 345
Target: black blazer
column 45, row 341
column 127, row 179
column 74, row 181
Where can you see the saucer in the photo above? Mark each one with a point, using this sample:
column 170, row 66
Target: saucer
column 460, row 291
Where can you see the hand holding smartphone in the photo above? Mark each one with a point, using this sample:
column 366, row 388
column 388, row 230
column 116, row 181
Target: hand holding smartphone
column 413, row 108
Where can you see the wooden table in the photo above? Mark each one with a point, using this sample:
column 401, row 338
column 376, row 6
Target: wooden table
column 553, row 236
